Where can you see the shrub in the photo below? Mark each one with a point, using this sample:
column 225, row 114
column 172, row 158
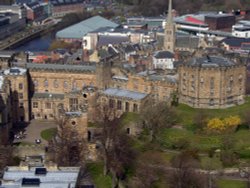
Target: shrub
column 182, row 143
column 228, row 124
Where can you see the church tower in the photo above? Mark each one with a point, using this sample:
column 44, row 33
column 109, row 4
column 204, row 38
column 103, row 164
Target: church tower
column 169, row 36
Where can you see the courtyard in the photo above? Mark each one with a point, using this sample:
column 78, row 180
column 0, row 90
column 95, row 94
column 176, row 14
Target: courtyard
column 33, row 132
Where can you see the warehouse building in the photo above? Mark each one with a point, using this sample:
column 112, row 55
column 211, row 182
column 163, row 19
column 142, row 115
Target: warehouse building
column 77, row 31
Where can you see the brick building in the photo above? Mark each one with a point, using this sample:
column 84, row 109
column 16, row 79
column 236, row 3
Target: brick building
column 61, row 8
column 220, row 21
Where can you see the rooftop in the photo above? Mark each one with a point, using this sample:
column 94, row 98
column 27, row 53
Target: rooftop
column 211, row 61
column 48, row 95
column 15, row 71
column 62, row 177
column 124, row 93
column 163, row 55
column 60, row 67
column 107, row 39
column 80, row 29
column 65, row 2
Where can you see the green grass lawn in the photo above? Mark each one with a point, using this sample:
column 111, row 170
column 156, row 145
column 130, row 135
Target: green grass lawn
column 48, row 134
column 169, row 138
column 208, row 163
column 222, row 183
column 186, row 114
column 96, row 172
column 129, row 117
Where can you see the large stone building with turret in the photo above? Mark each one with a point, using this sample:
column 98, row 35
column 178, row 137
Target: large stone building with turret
column 212, row 82
column 48, row 90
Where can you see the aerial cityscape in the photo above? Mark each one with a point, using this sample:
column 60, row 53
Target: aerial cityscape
column 125, row 93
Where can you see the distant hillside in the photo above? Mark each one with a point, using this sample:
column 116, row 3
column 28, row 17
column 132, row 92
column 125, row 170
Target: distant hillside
column 156, row 7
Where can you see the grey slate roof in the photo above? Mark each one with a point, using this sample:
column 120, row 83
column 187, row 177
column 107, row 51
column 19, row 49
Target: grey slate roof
column 80, row 29
column 235, row 42
column 60, row 178
column 167, row 78
column 7, row 54
column 48, row 95
column 124, row 93
column 65, row 2
column 163, row 55
column 211, row 61
column 61, row 67
column 106, row 40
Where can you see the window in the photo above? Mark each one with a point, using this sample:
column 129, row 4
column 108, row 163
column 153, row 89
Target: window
column 35, row 83
column 65, row 84
column 119, row 105
column 212, row 83
column 20, row 96
column 21, row 105
column 35, row 104
column 111, row 103
column 20, row 86
column 240, row 78
column 135, row 108
column 46, row 83
column 127, row 106
column 55, row 84
column 211, row 102
column 74, row 86
column 48, row 105
column 73, row 104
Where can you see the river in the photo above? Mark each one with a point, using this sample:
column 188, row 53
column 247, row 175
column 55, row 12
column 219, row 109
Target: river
column 38, row 44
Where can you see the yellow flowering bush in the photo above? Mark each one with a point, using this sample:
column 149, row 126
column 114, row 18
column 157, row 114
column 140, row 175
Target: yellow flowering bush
column 228, row 124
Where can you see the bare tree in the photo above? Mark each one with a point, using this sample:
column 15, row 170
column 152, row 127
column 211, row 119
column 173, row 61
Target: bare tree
column 150, row 167
column 200, row 119
column 116, row 148
column 247, row 118
column 66, row 149
column 155, row 116
column 6, row 156
column 184, row 173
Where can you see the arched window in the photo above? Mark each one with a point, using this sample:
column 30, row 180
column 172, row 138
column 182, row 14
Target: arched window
column 46, row 83
column 65, row 84
column 74, row 85
column 56, row 85
column 35, row 83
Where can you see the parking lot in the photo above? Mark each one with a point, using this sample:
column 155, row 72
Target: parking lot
column 33, row 130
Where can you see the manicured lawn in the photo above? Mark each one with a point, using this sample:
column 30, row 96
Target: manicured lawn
column 169, row 138
column 186, row 114
column 96, row 172
column 48, row 134
column 222, row 183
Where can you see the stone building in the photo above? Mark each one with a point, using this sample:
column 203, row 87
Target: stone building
column 122, row 100
column 159, row 87
column 5, row 109
column 212, row 82
column 20, row 99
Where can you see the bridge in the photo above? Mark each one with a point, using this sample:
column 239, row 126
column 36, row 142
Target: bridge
column 24, row 36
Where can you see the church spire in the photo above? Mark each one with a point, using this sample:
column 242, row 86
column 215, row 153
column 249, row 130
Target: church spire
column 169, row 36
column 170, row 16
